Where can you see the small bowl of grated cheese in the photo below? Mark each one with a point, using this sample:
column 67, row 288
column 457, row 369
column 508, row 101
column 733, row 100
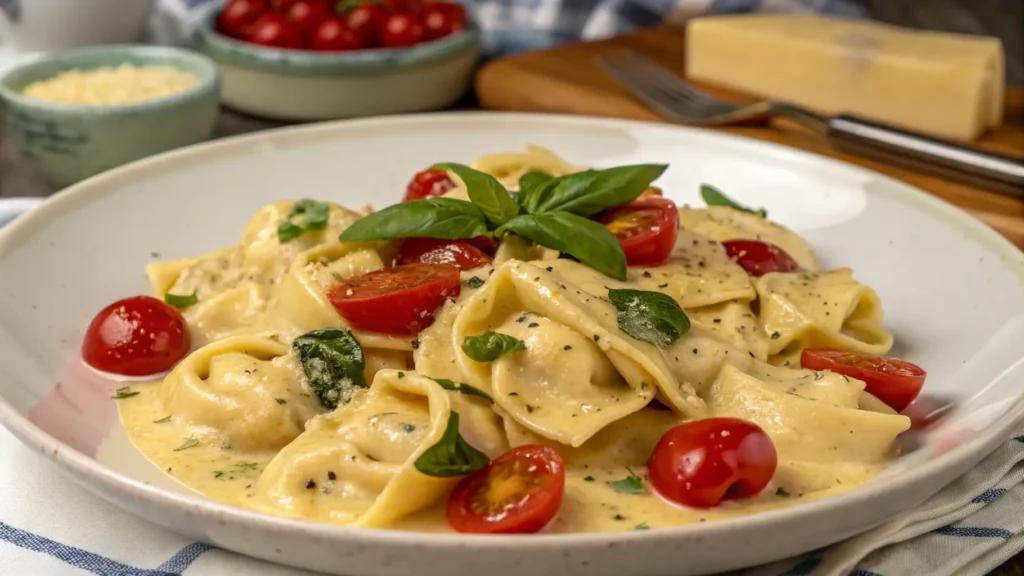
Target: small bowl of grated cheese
column 76, row 114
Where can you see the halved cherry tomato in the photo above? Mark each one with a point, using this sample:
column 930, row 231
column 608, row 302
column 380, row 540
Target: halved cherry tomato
column 395, row 300
column 428, row 183
column 891, row 380
column 518, row 493
column 442, row 19
column 646, row 227
column 366, row 19
column 401, row 29
column 238, row 15
column 703, row 462
column 333, row 34
column 306, row 14
column 137, row 336
column 759, row 258
column 460, row 253
column 272, row 29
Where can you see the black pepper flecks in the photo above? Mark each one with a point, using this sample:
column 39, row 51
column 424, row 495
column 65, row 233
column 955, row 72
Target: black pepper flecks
column 310, row 484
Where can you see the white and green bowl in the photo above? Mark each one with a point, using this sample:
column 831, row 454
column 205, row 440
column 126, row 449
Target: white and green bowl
column 299, row 85
column 67, row 143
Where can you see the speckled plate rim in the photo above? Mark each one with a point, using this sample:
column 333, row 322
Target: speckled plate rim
column 78, row 464
column 375, row 60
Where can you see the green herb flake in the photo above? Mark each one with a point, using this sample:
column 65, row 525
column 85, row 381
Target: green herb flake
column 475, row 282
column 333, row 362
column 782, row 492
column 125, row 392
column 649, row 316
column 305, row 216
column 461, row 388
column 162, row 420
column 642, row 526
column 401, row 375
column 490, row 346
column 775, row 335
column 713, row 197
column 631, row 484
column 280, row 400
column 181, row 301
column 189, row 443
column 218, row 473
column 408, row 428
column 597, row 338
column 588, row 478
column 452, row 455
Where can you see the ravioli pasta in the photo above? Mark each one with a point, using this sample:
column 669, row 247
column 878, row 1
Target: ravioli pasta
column 243, row 417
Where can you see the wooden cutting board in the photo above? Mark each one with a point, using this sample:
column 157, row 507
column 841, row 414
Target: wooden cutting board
column 569, row 80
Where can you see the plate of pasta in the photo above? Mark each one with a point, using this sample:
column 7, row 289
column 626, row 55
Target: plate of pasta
column 524, row 344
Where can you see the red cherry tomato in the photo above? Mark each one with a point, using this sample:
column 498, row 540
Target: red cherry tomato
column 283, row 5
column 334, row 35
column 395, row 300
column 647, row 229
column 891, row 380
column 703, row 462
column 272, row 29
column 306, row 14
column 401, row 29
column 403, row 5
column 759, row 258
column 238, row 15
column 137, row 336
column 518, row 493
column 428, row 183
column 442, row 19
column 459, row 253
column 367, row 19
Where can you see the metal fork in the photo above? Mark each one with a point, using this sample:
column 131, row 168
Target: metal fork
column 673, row 98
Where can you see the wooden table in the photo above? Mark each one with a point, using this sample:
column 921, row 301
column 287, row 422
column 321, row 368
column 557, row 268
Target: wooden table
column 569, row 80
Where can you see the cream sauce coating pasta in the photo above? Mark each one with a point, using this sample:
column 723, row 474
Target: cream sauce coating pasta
column 240, row 420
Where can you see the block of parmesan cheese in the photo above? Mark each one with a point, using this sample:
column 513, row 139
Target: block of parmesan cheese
column 947, row 85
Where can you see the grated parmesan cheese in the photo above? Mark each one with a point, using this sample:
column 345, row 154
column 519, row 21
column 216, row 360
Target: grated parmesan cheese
column 125, row 84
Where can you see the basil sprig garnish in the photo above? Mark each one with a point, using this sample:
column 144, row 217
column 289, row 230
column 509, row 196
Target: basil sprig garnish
column 452, row 455
column 556, row 212
column 464, row 389
column 713, row 197
column 490, row 346
column 305, row 216
column 333, row 362
column 649, row 316
column 180, row 301
column 588, row 193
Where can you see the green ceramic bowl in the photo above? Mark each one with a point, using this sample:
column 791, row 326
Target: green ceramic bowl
column 67, row 143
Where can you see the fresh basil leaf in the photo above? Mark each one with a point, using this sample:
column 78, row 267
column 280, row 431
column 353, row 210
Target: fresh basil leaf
column 531, row 180
column 649, row 316
column 452, row 455
column 588, row 193
column 305, row 216
column 445, row 218
column 631, row 484
column 713, row 197
column 586, row 240
column 181, row 301
column 490, row 346
column 333, row 362
column 485, row 192
column 463, row 388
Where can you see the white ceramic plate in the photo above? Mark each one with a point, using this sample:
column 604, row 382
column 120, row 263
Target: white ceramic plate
column 951, row 289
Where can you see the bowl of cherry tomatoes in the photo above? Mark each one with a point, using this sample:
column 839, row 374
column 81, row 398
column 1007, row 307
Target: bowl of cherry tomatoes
column 304, row 60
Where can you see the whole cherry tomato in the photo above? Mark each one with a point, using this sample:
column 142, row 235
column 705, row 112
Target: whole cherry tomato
column 397, row 300
column 137, row 336
column 401, row 29
column 428, row 183
column 442, row 19
column 367, row 19
column 272, row 29
column 334, row 35
column 238, row 15
column 893, row 381
column 518, row 493
column 702, row 462
column 646, row 227
column 306, row 14
column 460, row 253
column 759, row 258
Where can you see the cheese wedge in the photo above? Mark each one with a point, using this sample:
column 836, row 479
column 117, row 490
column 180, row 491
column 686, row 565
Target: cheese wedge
column 947, row 85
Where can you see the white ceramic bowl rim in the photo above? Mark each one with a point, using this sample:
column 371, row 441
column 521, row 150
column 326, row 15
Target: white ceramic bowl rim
column 208, row 76
column 985, row 441
column 285, row 60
